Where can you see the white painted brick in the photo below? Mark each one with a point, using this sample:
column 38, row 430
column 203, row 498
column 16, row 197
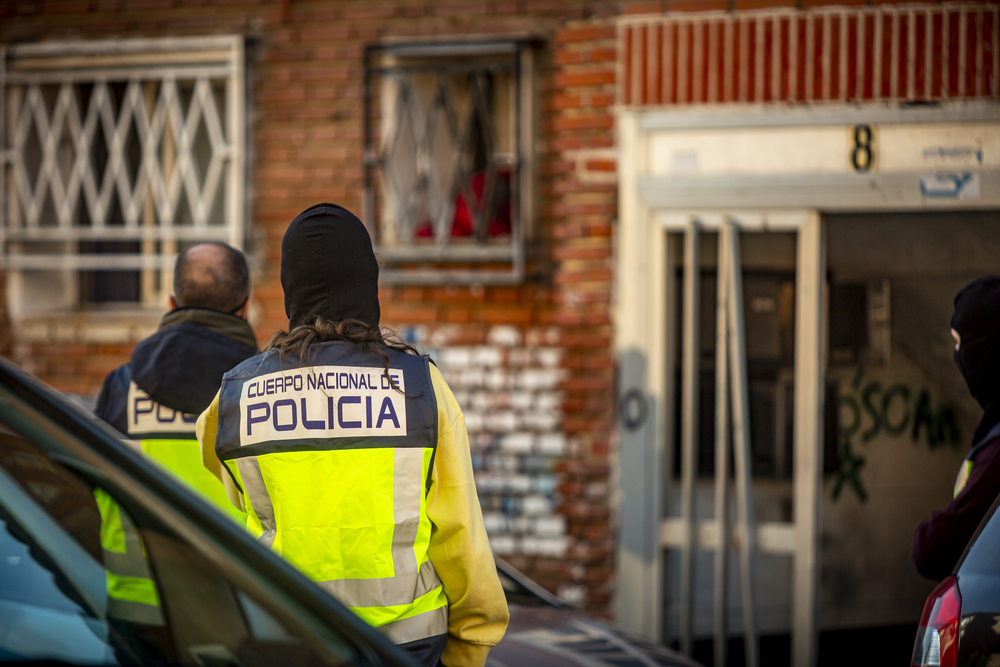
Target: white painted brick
column 503, row 545
column 517, row 443
column 500, row 400
column 573, row 594
column 497, row 379
column 519, row 356
column 501, row 463
column 536, row 464
column 500, row 422
column 544, row 485
column 505, row 335
column 479, row 400
column 548, row 400
column 528, row 546
column 597, row 490
column 549, row 526
column 551, row 444
column 482, row 441
column 443, row 335
column 540, row 421
column 487, row 482
column 495, row 523
column 535, row 505
column 552, row 547
column 521, row 400
column 519, row 484
column 519, row 525
column 539, row 336
column 474, row 421
column 471, row 378
column 455, row 357
column 536, row 378
column 487, row 355
column 548, row 356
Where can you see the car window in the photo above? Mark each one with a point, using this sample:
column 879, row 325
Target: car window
column 85, row 581
column 982, row 555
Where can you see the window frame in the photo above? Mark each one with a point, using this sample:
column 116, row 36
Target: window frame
column 213, row 66
column 439, row 261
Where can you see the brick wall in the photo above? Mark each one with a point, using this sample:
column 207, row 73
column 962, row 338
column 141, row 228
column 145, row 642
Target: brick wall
column 532, row 364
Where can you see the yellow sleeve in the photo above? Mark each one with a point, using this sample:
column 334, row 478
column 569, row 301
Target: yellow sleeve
column 206, row 428
column 459, row 547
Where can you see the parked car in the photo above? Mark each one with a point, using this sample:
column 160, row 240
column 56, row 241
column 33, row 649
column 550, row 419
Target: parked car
column 544, row 630
column 960, row 624
column 225, row 600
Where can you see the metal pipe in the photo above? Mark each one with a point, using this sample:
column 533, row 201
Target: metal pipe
column 720, row 606
column 741, row 438
column 808, row 430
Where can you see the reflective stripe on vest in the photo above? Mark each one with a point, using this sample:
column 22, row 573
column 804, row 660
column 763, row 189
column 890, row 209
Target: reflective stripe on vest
column 963, row 477
column 334, row 465
column 132, row 594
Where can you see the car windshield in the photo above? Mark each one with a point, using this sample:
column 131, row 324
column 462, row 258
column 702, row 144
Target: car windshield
column 982, row 555
column 86, row 578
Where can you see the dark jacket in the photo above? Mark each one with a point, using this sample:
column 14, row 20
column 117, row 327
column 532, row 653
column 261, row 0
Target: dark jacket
column 180, row 366
column 939, row 541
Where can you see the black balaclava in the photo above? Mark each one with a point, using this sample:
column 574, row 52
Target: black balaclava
column 977, row 321
column 328, row 268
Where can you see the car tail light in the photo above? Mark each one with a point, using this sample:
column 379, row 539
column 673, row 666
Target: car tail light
column 937, row 637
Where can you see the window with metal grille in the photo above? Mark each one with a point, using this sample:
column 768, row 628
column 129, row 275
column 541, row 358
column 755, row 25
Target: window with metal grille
column 116, row 155
column 448, row 160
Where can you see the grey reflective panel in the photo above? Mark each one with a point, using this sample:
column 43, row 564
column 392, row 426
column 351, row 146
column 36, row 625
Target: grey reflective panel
column 338, row 398
column 428, row 624
column 260, row 499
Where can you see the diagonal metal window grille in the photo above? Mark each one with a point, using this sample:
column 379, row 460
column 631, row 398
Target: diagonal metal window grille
column 118, row 153
column 447, row 168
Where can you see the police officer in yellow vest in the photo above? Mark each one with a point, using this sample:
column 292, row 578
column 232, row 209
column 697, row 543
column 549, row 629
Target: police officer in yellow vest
column 350, row 455
column 172, row 376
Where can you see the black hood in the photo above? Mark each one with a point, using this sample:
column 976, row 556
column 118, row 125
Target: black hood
column 328, row 268
column 181, row 365
column 977, row 321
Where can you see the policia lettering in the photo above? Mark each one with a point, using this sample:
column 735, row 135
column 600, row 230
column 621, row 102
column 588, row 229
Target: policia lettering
column 168, row 436
column 334, row 465
column 335, row 401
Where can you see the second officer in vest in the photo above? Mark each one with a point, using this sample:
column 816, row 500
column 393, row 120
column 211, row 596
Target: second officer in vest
column 156, row 398
column 351, row 457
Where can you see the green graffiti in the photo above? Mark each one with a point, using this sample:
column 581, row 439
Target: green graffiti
column 893, row 411
column 850, row 473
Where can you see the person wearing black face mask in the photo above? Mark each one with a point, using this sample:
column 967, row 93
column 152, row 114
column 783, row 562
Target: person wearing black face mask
column 939, row 541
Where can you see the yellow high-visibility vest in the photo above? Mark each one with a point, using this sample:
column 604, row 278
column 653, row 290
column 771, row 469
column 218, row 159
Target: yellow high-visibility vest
column 334, row 463
column 168, row 436
column 132, row 593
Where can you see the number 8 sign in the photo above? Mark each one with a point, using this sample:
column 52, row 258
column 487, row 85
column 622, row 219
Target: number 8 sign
column 863, row 148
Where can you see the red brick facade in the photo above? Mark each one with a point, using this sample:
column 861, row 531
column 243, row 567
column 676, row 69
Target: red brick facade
column 304, row 70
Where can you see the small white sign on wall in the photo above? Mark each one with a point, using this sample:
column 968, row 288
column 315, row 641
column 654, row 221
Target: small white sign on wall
column 950, row 185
